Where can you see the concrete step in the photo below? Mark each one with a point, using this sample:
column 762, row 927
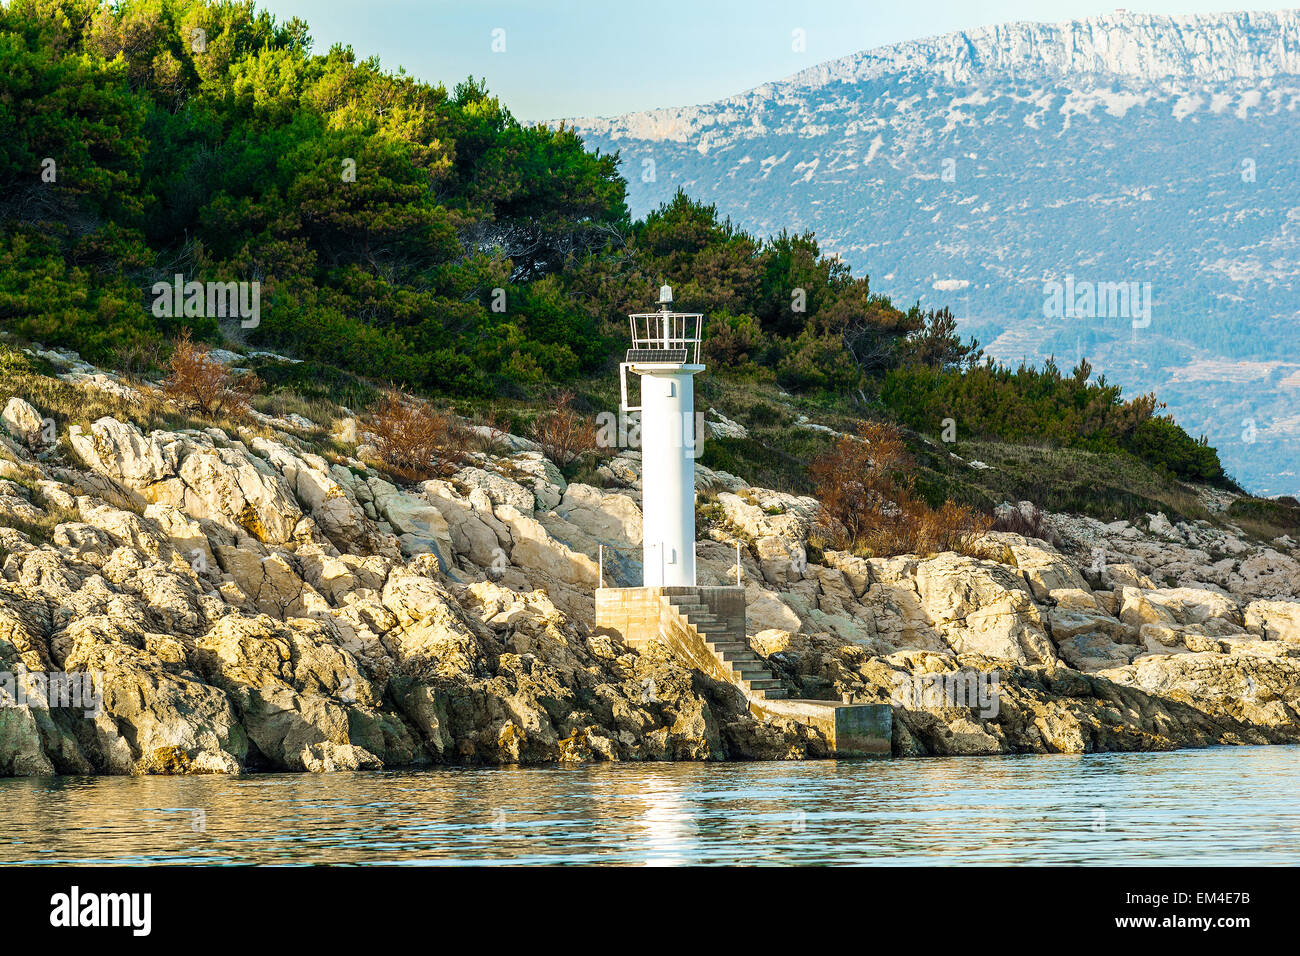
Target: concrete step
column 751, row 670
column 695, row 613
column 776, row 693
column 742, row 657
column 687, row 605
column 703, row 616
column 764, row 683
column 704, row 627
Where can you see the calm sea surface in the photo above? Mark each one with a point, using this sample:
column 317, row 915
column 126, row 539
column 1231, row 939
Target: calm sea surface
column 1221, row 806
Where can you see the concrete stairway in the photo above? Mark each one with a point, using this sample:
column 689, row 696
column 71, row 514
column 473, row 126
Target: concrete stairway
column 704, row 628
column 729, row 647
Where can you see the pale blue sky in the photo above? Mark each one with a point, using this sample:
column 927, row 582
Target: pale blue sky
column 603, row 57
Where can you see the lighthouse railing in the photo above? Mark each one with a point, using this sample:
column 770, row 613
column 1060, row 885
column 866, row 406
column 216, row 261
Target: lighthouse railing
column 663, row 331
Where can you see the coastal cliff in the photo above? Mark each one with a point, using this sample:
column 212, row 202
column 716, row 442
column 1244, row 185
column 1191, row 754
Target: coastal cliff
column 257, row 599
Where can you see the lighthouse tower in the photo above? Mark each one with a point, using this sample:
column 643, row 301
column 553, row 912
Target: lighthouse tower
column 665, row 353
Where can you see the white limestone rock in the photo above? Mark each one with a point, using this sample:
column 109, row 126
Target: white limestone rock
column 24, row 423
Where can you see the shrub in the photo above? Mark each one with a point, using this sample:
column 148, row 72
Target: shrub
column 414, row 440
column 565, row 435
column 1030, row 522
column 818, row 362
column 1045, row 406
column 196, row 380
column 870, row 505
column 490, row 437
column 133, row 359
column 1161, row 441
column 735, row 341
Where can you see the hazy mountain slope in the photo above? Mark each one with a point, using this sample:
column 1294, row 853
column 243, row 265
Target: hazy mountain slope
column 972, row 168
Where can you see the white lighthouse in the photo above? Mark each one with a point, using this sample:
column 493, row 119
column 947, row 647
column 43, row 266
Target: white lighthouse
column 666, row 354
column 704, row 627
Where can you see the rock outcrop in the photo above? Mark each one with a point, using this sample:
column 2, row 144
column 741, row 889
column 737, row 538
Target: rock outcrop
column 244, row 602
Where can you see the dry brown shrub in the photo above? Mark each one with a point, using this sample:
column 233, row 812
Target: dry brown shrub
column 564, row 434
column 870, row 505
column 196, row 380
column 415, row 441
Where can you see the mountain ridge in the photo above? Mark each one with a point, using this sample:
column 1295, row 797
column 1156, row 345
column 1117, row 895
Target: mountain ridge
column 1150, row 149
column 919, row 56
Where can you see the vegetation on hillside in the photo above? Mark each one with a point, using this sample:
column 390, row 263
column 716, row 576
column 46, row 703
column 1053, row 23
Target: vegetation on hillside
column 867, row 487
column 403, row 231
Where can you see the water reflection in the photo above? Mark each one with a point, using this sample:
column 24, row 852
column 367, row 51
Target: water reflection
column 1221, row 806
column 669, row 835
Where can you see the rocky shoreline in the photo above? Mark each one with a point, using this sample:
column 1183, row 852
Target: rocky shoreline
column 249, row 604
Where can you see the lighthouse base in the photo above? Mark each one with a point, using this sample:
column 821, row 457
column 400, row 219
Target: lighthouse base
column 705, row 628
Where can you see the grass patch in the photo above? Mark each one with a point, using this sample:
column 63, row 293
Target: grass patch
column 759, row 463
column 1266, row 517
column 41, row 530
column 70, row 404
column 1104, row 486
column 308, row 383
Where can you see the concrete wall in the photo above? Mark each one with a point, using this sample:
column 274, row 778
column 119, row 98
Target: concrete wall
column 851, row 730
column 629, row 613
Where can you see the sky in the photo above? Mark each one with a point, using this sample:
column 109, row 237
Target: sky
column 570, row 58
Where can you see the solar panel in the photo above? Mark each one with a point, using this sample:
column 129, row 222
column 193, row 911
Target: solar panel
column 674, row 356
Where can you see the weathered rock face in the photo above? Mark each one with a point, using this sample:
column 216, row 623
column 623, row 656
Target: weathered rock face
column 980, row 607
column 248, row 604
column 1194, row 555
column 1126, row 666
column 235, row 489
column 1274, row 620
